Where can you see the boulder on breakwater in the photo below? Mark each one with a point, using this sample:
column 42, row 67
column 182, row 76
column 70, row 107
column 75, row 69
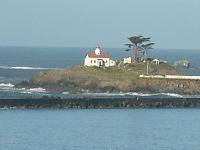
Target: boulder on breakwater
column 100, row 103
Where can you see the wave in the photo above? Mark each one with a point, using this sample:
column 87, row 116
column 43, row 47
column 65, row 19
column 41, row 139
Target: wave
column 6, row 85
column 39, row 90
column 172, row 95
column 32, row 90
column 118, row 94
column 26, row 92
column 65, row 93
column 157, row 94
column 133, row 94
column 28, row 68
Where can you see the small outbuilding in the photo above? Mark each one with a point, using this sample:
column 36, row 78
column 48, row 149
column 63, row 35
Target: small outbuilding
column 127, row 60
column 156, row 61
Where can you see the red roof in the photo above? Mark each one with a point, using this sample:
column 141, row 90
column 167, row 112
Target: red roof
column 102, row 55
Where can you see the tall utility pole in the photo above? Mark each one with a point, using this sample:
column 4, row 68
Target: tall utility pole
column 147, row 68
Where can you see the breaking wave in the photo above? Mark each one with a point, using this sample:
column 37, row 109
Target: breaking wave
column 39, row 90
column 28, row 68
column 10, row 87
column 172, row 95
column 32, row 91
column 6, row 85
column 133, row 94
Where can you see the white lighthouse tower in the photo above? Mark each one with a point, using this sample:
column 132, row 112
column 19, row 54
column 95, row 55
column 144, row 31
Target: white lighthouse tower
column 98, row 50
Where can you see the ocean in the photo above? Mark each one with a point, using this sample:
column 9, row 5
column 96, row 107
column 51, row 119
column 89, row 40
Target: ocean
column 105, row 129
column 21, row 63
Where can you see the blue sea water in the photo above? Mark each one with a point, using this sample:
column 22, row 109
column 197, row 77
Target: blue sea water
column 109, row 129
column 21, row 63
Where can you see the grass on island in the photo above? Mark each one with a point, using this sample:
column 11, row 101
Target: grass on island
column 119, row 78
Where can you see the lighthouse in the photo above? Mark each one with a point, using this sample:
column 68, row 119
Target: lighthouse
column 98, row 58
column 98, row 50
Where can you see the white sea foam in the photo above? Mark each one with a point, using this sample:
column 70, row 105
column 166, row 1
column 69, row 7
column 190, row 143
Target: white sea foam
column 118, row 94
column 134, row 94
column 26, row 92
column 104, row 94
column 11, row 87
column 65, row 93
column 156, row 94
column 28, row 68
column 39, row 90
column 6, row 85
column 32, row 90
column 172, row 95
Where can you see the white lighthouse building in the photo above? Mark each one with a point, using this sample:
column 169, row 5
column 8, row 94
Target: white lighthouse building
column 99, row 59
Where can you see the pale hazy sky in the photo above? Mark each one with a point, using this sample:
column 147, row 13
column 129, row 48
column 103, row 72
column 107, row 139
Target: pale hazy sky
column 81, row 23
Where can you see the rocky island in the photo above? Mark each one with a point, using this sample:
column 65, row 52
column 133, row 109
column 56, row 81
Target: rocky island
column 116, row 81
column 101, row 74
column 125, row 78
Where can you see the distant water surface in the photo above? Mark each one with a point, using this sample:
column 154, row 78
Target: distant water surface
column 113, row 129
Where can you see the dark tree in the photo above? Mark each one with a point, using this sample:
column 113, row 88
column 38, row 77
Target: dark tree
column 147, row 47
column 138, row 44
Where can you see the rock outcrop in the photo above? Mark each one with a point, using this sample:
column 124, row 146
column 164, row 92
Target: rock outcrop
column 190, row 87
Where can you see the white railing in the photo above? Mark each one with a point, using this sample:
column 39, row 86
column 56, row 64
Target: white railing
column 171, row 77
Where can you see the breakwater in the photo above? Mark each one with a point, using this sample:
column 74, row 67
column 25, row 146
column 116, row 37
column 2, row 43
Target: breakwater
column 100, row 103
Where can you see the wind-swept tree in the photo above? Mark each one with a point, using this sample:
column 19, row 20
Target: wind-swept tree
column 147, row 47
column 138, row 44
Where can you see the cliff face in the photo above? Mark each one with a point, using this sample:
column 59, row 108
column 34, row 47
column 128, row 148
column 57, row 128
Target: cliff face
column 169, row 85
column 114, row 79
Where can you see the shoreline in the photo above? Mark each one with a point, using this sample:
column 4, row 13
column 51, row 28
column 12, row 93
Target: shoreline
column 99, row 103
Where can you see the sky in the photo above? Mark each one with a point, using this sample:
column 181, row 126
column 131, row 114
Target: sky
column 173, row 24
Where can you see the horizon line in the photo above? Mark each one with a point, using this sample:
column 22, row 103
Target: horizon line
column 43, row 46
